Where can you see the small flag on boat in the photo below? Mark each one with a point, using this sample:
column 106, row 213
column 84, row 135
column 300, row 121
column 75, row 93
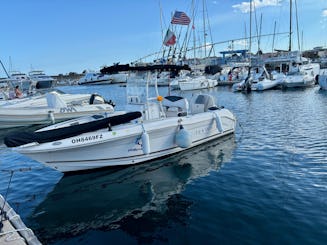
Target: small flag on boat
column 180, row 18
column 170, row 38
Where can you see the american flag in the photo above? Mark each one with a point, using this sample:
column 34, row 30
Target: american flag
column 180, row 18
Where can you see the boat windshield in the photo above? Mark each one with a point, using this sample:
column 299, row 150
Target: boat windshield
column 137, row 87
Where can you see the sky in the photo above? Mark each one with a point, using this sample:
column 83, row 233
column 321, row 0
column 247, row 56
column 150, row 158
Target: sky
column 62, row 36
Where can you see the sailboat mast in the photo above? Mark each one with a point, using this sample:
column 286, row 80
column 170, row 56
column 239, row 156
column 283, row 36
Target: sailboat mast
column 204, row 29
column 297, row 27
column 260, row 31
column 273, row 43
column 290, row 38
column 194, row 38
column 162, row 32
column 3, row 67
column 250, row 33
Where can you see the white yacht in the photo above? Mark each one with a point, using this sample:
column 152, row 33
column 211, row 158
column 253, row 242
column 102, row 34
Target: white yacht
column 94, row 78
column 40, row 80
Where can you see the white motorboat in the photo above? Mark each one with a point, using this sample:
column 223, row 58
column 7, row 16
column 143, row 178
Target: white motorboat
column 305, row 76
column 56, row 110
column 40, row 99
column 323, row 81
column 164, row 126
column 143, row 190
column 265, row 84
column 298, row 71
column 258, row 80
column 299, row 80
column 40, row 80
column 232, row 74
column 94, row 78
column 183, row 76
column 197, row 82
column 263, row 81
column 14, row 79
column 192, row 81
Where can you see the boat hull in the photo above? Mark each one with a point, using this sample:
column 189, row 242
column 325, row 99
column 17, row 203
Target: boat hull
column 266, row 84
column 323, row 81
column 200, row 83
column 125, row 144
column 298, row 81
column 20, row 117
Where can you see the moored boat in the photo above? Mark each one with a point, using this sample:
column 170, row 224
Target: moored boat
column 94, row 78
column 56, row 109
column 198, row 82
column 258, row 79
column 165, row 126
column 323, row 81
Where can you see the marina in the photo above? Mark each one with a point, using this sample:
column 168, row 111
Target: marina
column 191, row 122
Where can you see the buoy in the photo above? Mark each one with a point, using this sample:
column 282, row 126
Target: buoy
column 159, row 98
column 218, row 123
column 183, row 137
column 146, row 143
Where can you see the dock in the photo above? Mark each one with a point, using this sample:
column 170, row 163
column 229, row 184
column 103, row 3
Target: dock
column 13, row 231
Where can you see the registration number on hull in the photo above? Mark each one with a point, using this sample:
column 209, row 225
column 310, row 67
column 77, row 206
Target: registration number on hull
column 86, row 138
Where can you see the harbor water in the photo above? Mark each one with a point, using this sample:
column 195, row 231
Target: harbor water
column 267, row 184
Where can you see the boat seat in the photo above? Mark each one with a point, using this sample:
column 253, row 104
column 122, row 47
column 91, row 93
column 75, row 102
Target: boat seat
column 175, row 106
column 202, row 103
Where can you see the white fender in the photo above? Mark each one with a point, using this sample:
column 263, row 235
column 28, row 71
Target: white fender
column 218, row 123
column 52, row 118
column 145, row 142
column 183, row 138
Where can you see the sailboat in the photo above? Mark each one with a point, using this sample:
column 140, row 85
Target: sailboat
column 245, row 85
column 298, row 71
column 258, row 79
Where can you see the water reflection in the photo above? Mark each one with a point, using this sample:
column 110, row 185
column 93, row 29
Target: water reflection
column 117, row 198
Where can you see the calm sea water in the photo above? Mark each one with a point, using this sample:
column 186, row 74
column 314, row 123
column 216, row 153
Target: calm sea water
column 266, row 184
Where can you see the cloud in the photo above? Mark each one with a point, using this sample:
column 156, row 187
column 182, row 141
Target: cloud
column 323, row 21
column 244, row 7
column 324, row 13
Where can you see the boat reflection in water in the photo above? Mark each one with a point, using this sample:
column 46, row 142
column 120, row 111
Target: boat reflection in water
column 120, row 198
